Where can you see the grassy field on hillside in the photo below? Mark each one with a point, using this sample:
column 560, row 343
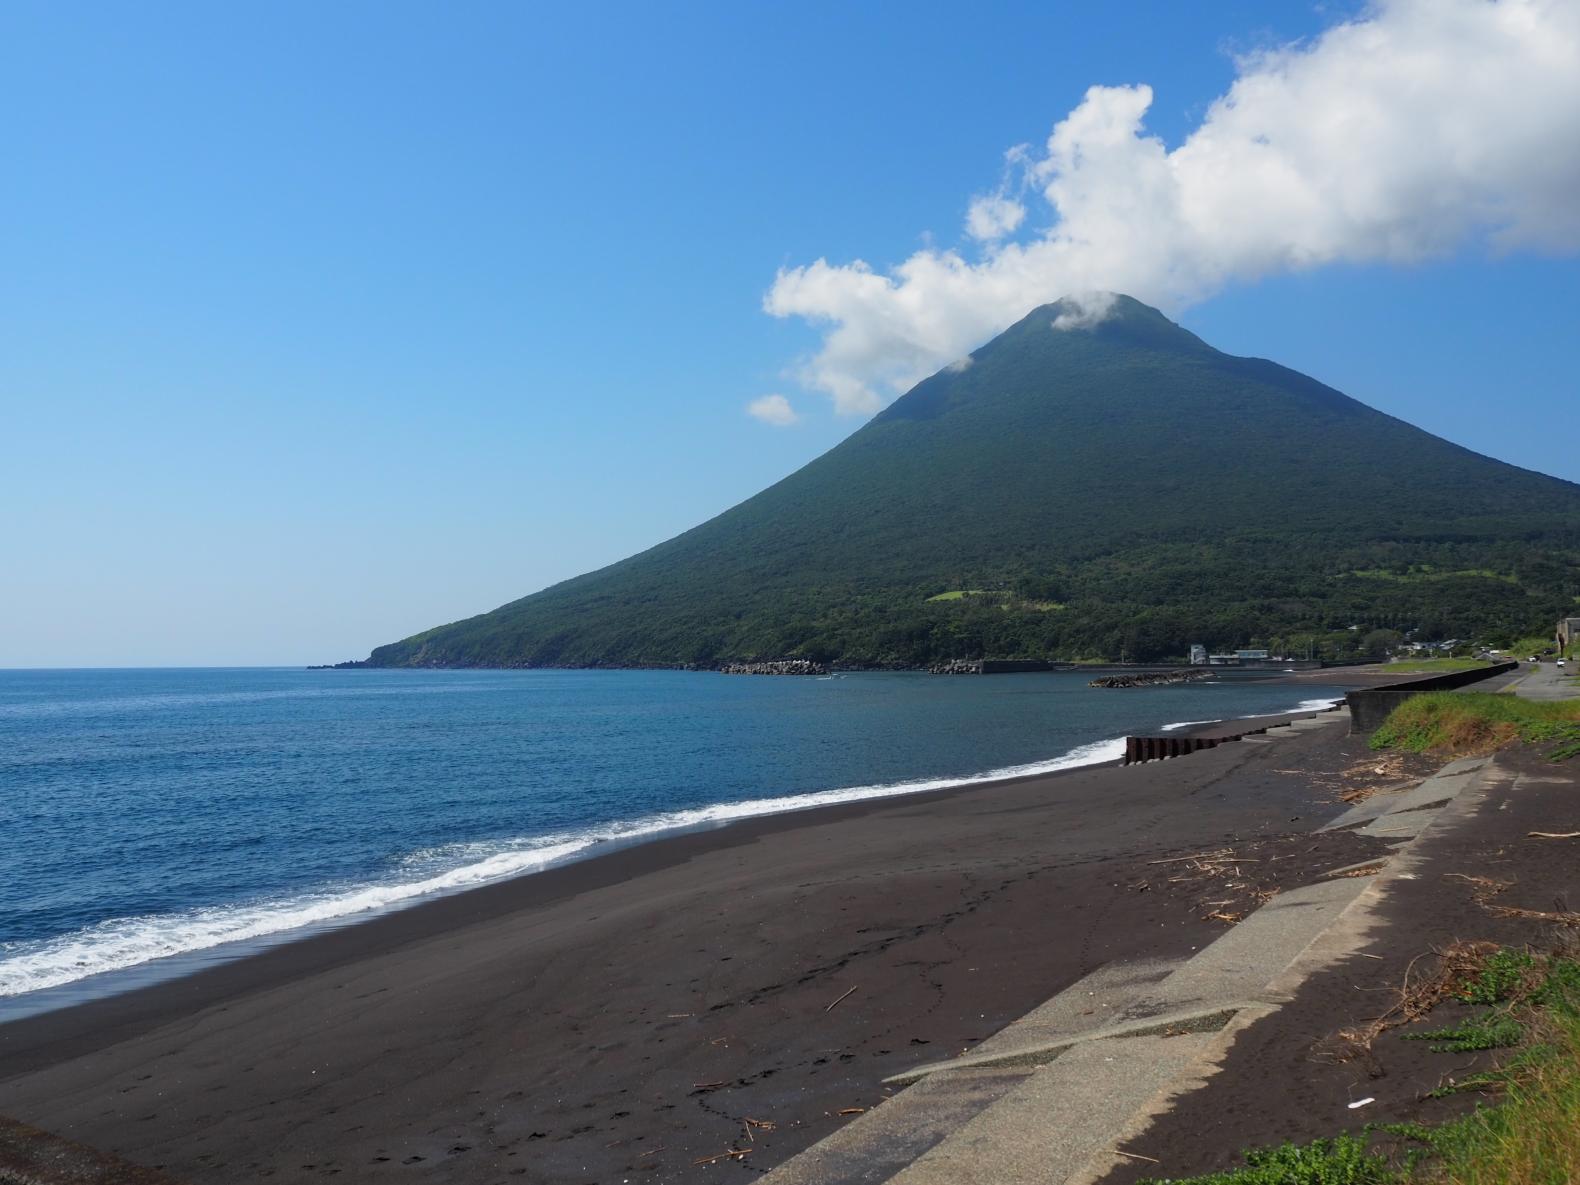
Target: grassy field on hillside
column 1427, row 572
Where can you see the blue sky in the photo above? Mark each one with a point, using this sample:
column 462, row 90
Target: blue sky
column 320, row 325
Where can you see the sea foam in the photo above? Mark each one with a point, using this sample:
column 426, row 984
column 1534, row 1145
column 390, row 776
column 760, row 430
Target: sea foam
column 1305, row 705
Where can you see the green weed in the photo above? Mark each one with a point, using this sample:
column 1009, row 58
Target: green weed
column 1500, row 977
column 1343, row 1160
column 1531, row 1138
column 1490, row 1030
column 1560, row 989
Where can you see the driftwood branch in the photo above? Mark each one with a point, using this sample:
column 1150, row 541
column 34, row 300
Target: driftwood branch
column 1135, row 1156
column 830, row 1008
column 732, row 1154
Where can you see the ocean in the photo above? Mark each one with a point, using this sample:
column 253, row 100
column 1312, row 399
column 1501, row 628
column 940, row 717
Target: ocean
column 155, row 821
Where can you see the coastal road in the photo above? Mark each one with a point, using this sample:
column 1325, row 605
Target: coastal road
column 1548, row 681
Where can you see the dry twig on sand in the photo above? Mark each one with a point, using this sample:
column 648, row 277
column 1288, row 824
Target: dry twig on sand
column 1457, row 963
column 732, row 1154
column 1553, row 834
column 830, row 1008
column 1561, row 917
column 1193, row 856
column 1484, row 888
column 1372, row 776
column 1135, row 1156
column 1389, row 766
column 1206, row 876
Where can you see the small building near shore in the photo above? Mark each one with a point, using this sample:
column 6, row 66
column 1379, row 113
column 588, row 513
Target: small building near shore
column 1237, row 658
column 1568, row 632
column 1198, row 655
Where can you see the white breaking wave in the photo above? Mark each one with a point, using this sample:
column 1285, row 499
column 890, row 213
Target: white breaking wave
column 1305, row 705
column 119, row 943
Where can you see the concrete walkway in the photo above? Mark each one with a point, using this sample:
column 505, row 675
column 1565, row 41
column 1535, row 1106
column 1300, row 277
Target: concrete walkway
column 1548, row 681
column 1053, row 1097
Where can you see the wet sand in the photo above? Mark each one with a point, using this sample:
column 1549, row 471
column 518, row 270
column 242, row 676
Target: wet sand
column 622, row 1018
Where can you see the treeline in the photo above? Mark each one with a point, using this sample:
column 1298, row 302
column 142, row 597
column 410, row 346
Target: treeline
column 1147, row 605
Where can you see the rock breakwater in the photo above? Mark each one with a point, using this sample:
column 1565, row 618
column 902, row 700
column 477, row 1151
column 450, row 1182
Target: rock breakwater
column 1154, row 679
column 787, row 666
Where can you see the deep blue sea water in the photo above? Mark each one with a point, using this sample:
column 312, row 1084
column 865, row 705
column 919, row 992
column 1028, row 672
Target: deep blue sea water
column 190, row 813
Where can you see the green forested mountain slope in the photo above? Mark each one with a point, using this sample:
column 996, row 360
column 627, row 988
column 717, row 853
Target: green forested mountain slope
column 1122, row 489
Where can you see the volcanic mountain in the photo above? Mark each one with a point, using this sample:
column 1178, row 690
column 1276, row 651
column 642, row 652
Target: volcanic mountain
column 1074, row 489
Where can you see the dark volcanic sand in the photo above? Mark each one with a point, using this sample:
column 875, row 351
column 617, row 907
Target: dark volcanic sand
column 618, row 1019
column 1285, row 1078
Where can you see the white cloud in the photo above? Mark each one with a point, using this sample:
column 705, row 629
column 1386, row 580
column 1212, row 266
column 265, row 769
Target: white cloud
column 773, row 409
column 992, row 216
column 1407, row 133
column 1083, row 310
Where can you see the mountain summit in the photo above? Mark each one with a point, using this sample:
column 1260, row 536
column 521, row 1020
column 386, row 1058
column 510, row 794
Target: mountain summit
column 1094, row 481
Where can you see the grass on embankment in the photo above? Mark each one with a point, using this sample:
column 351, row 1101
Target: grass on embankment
column 1466, row 722
column 1533, row 1136
column 1530, row 1137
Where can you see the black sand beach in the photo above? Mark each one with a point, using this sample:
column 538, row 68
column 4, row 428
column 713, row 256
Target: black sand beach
column 623, row 1018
